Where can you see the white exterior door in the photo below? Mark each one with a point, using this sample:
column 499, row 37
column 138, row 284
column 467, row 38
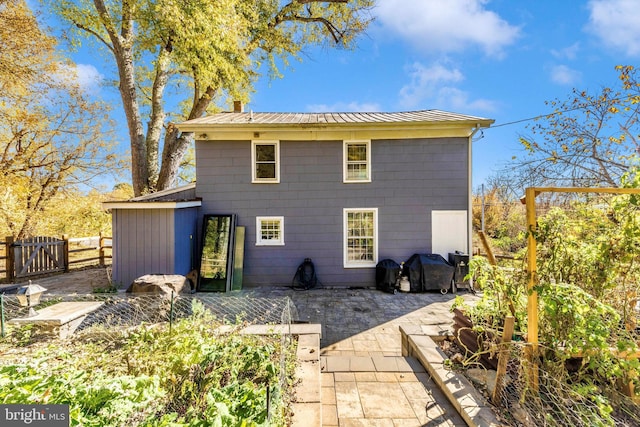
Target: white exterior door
column 449, row 232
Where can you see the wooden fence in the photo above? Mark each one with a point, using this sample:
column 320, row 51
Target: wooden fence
column 43, row 255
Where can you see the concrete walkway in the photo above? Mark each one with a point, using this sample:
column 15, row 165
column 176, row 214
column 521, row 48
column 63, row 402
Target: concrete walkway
column 365, row 380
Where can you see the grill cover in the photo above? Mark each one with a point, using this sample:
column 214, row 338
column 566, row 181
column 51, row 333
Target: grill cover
column 428, row 272
column 387, row 272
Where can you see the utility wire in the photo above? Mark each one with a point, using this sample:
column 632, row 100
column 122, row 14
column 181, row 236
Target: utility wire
column 540, row 116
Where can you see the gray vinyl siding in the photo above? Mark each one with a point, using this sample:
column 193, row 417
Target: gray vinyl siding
column 151, row 241
column 410, row 178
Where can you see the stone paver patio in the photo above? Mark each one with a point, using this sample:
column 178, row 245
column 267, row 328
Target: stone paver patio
column 365, row 379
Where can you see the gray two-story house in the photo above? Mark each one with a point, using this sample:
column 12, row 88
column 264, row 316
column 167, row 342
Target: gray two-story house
column 344, row 189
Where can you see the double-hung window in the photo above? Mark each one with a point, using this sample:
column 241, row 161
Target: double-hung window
column 360, row 237
column 357, row 161
column 265, row 160
column 269, row 231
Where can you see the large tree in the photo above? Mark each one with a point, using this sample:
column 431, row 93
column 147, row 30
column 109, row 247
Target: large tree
column 201, row 51
column 51, row 136
column 589, row 139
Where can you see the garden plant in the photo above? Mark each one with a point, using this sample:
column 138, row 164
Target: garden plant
column 152, row 375
column 588, row 285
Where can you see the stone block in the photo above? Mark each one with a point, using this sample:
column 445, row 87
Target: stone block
column 306, row 415
column 62, row 318
column 309, row 388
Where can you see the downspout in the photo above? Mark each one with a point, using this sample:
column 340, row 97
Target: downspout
column 470, row 192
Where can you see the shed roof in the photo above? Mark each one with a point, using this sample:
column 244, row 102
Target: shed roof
column 176, row 194
column 172, row 198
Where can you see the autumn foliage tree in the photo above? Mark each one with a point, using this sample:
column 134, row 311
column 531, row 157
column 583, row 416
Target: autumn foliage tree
column 52, row 137
column 497, row 207
column 588, row 140
column 200, row 51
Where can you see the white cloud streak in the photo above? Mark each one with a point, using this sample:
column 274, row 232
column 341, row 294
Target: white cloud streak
column 343, row 107
column 563, row 75
column 569, row 52
column 447, row 25
column 435, row 86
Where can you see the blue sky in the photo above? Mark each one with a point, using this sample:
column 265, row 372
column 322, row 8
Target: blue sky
column 500, row 59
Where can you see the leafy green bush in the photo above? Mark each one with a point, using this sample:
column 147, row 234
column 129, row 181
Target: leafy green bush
column 94, row 399
column 573, row 320
column 504, row 293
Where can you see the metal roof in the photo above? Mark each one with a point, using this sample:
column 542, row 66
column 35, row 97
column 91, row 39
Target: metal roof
column 172, row 198
column 251, row 118
column 181, row 193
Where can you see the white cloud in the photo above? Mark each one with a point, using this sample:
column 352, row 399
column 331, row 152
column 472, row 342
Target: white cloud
column 458, row 100
column 342, row 107
column 447, row 25
column 569, row 52
column 617, row 24
column 563, row 75
column 85, row 77
column 88, row 78
column 426, row 82
column 436, row 86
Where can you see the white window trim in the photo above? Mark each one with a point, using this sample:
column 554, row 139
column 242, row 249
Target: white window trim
column 256, row 180
column 345, row 156
column 345, row 246
column 259, row 241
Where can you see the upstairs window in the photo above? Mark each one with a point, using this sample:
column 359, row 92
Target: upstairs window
column 265, row 160
column 360, row 237
column 357, row 161
column 269, row 231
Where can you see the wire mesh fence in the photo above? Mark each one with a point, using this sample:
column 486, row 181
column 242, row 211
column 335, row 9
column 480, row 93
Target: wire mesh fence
column 120, row 311
column 215, row 318
column 560, row 399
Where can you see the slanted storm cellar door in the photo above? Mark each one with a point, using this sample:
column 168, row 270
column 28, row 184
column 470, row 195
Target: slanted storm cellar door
column 216, row 262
